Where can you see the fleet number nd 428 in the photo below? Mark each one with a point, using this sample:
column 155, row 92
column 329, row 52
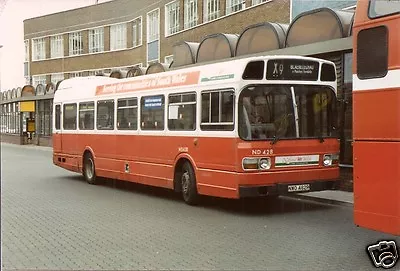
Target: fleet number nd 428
column 262, row 152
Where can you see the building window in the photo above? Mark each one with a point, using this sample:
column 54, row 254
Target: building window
column 211, row 10
column 190, row 15
column 137, row 32
column 118, row 37
column 44, row 117
column 96, row 40
column 75, row 43
column 95, row 72
column 153, row 23
column 168, row 59
column 234, row 5
column 256, row 2
column 38, row 79
column 38, row 49
column 127, row 114
column 56, row 77
column 56, row 46
column 172, row 18
column 26, row 43
column 76, row 74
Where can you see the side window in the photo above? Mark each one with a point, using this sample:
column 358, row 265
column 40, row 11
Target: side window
column 58, row 117
column 182, row 111
column 372, row 65
column 217, row 110
column 105, row 115
column 127, row 114
column 69, row 120
column 152, row 112
column 86, row 116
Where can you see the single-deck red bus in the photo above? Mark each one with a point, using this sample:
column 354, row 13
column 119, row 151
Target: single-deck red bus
column 376, row 115
column 257, row 126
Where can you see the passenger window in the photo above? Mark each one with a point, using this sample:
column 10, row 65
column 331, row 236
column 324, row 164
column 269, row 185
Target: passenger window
column 69, row 120
column 152, row 113
column 217, row 109
column 105, row 115
column 86, row 116
column 58, row 117
column 182, row 112
column 127, row 114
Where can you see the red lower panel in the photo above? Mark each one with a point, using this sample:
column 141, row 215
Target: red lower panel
column 377, row 186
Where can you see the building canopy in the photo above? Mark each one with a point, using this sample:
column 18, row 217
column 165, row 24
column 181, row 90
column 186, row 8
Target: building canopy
column 40, row 90
column 318, row 25
column 156, row 68
column 217, row 46
column 136, row 71
column 28, row 90
column 261, row 38
column 184, row 53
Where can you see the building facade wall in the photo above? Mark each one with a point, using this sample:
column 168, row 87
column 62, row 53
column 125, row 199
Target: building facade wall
column 126, row 11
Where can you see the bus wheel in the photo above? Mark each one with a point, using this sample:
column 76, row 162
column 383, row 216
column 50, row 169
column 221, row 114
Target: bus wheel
column 188, row 182
column 89, row 169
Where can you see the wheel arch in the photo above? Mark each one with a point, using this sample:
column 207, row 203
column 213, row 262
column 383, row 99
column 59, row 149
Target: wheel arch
column 178, row 164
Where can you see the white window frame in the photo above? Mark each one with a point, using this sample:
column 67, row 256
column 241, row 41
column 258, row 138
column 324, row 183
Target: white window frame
column 172, row 18
column 96, row 40
column 191, row 14
column 56, row 77
column 137, row 32
column 38, row 49
column 233, row 6
column 257, row 2
column 211, row 10
column 75, row 37
column 39, row 79
column 153, row 25
column 118, row 40
column 56, row 46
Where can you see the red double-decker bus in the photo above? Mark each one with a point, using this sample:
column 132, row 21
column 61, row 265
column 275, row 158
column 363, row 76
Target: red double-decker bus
column 257, row 126
column 376, row 115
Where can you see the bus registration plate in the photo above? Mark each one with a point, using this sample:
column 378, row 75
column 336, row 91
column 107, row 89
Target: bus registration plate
column 299, row 188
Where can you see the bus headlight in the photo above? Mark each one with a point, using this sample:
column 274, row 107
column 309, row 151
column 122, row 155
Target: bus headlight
column 250, row 163
column 264, row 163
column 331, row 159
column 327, row 160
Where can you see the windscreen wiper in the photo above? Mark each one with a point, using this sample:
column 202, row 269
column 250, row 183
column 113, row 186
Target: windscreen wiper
column 276, row 138
column 321, row 139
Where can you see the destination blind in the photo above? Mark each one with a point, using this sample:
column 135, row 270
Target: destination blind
column 292, row 69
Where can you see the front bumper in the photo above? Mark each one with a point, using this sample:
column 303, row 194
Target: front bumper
column 284, row 188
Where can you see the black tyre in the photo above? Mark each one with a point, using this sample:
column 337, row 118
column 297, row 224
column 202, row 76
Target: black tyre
column 89, row 171
column 188, row 183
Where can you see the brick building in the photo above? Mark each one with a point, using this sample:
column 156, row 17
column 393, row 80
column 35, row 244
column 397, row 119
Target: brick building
column 123, row 33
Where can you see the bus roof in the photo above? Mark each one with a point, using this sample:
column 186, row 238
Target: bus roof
column 80, row 88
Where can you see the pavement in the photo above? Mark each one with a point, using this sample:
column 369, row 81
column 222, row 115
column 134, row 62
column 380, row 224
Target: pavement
column 330, row 197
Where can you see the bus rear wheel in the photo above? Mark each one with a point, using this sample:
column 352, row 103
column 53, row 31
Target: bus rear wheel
column 89, row 172
column 188, row 183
